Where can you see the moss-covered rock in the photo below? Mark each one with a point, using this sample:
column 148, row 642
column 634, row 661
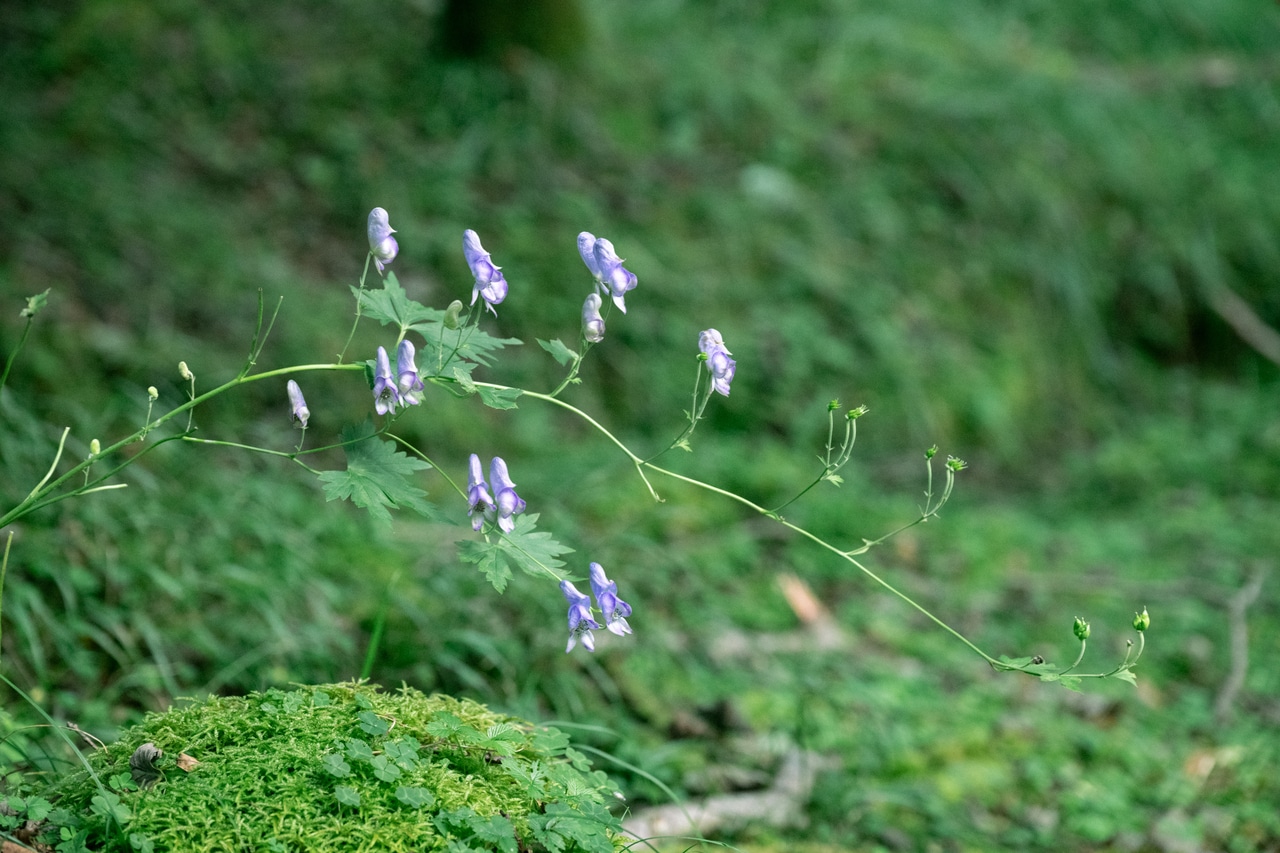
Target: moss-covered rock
column 341, row 767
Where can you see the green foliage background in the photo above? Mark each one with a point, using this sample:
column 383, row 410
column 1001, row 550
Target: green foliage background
column 1004, row 227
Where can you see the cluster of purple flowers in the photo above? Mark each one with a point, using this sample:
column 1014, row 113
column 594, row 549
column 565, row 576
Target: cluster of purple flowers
column 496, row 500
column 614, row 610
column 401, row 389
column 719, row 364
column 500, row 505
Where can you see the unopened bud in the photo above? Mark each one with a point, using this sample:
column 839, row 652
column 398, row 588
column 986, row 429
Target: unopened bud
column 854, row 414
column 153, row 393
column 184, row 371
column 955, row 463
column 1141, row 621
column 1081, row 628
column 833, row 405
column 452, row 313
column 95, row 447
column 931, row 452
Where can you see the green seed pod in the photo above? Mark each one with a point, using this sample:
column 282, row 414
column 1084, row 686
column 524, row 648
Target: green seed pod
column 1081, row 629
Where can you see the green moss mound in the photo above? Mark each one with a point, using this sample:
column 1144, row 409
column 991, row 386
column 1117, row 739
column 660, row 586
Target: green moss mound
column 341, row 767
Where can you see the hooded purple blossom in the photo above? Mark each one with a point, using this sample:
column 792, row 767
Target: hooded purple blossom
column 407, row 379
column 382, row 245
column 592, row 322
column 508, row 503
column 386, row 396
column 489, row 281
column 615, row 610
column 580, row 622
column 298, row 405
column 721, row 367
column 606, row 267
column 478, row 496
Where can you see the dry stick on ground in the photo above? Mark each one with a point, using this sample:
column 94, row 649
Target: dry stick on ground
column 1239, row 644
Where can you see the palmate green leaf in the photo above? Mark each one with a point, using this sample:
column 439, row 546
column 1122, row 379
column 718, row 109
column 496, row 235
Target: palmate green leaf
column 499, row 398
column 524, row 548
column 377, row 477
column 441, row 348
column 392, row 305
column 558, row 350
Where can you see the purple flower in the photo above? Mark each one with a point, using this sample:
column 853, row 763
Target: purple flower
column 606, row 268
column 615, row 610
column 587, row 248
column 612, row 275
column 478, row 496
column 489, row 281
column 298, row 405
column 580, row 622
column 408, row 381
column 721, row 367
column 592, row 322
column 386, row 396
column 507, row 502
column 382, row 245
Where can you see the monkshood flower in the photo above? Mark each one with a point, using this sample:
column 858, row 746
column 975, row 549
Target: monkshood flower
column 507, row 502
column 386, row 395
column 721, row 367
column 408, row 381
column 478, row 496
column 489, row 281
column 298, row 405
column 606, row 267
column 382, row 245
column 615, row 610
column 592, row 322
column 580, row 622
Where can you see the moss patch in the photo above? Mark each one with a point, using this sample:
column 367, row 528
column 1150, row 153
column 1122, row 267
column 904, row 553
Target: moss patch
column 340, row 767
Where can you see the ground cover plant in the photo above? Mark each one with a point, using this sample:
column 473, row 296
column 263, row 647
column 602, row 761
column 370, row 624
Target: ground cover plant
column 1005, row 229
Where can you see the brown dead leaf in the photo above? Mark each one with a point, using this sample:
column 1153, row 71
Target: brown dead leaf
column 804, row 603
column 186, row 763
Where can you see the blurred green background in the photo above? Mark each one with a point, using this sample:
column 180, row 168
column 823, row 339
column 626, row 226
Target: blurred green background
column 1040, row 235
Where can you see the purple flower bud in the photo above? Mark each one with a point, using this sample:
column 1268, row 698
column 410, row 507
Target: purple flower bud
column 489, row 281
column 592, row 322
column 615, row 610
column 408, row 381
column 298, row 405
column 721, row 367
column 508, row 503
column 587, row 248
column 580, row 622
column 386, row 396
column 613, row 276
column 478, row 496
column 382, row 245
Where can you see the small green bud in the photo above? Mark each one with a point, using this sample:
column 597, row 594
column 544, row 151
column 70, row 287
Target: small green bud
column 153, row 393
column 95, row 447
column 833, row 405
column 184, row 371
column 854, row 414
column 955, row 463
column 931, row 452
column 1141, row 621
column 1081, row 628
column 452, row 313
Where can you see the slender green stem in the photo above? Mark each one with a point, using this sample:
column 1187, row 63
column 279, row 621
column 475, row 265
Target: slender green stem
column 641, row 464
column 4, row 568
column 17, row 348
column 42, row 495
column 1079, row 657
column 407, row 446
column 359, row 306
column 57, row 457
